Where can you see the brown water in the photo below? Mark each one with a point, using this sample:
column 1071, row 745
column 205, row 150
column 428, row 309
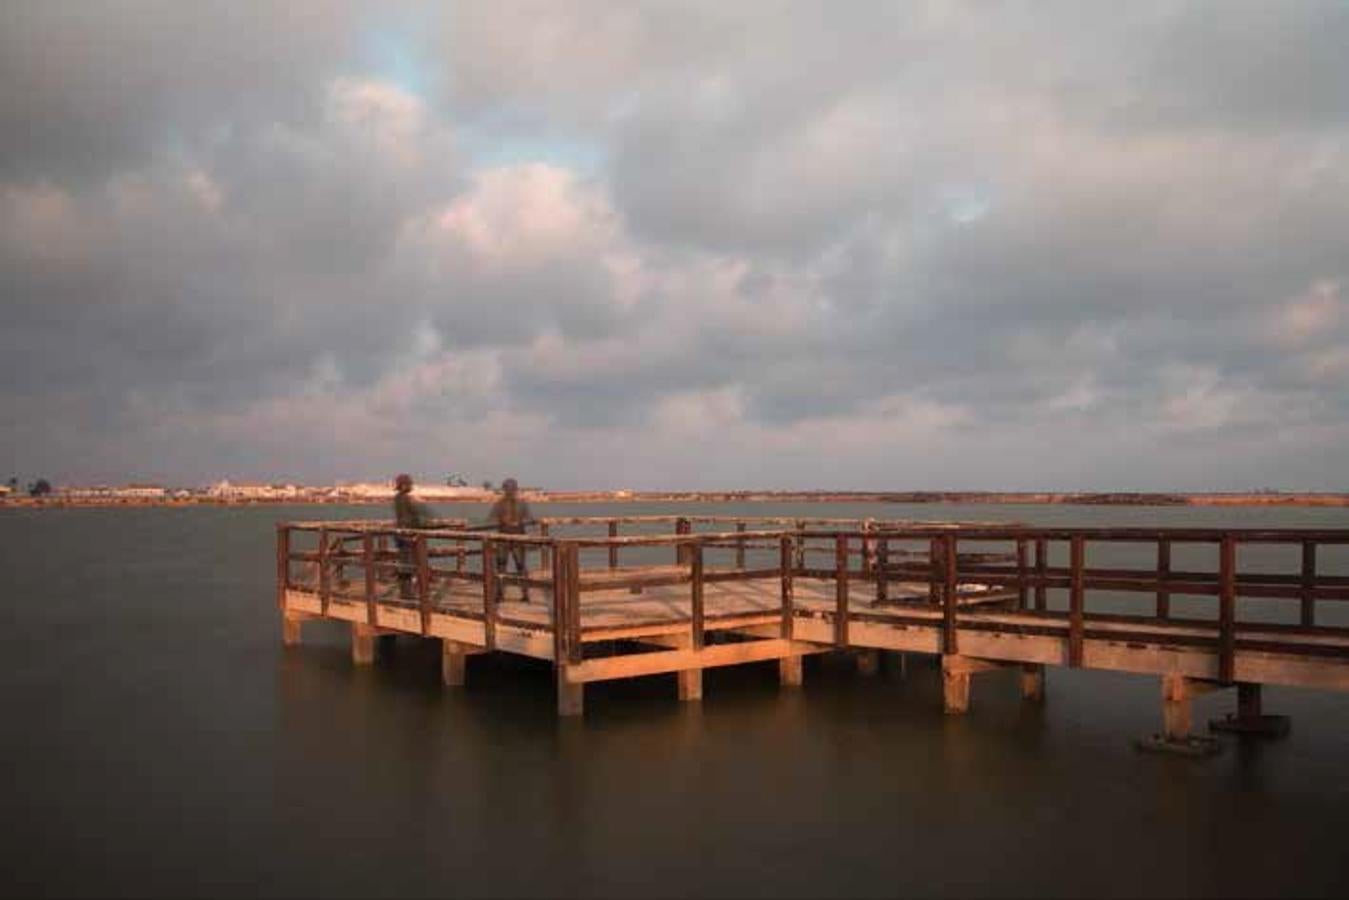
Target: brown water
column 158, row 740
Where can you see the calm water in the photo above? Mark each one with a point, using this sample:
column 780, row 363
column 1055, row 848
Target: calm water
column 158, row 740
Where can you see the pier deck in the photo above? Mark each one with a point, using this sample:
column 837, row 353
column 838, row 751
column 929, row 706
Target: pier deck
column 979, row 596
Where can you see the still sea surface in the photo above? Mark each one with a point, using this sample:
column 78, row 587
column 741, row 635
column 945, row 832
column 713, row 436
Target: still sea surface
column 158, row 740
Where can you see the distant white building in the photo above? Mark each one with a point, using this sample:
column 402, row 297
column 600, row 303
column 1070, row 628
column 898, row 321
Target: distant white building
column 141, row 491
column 227, row 490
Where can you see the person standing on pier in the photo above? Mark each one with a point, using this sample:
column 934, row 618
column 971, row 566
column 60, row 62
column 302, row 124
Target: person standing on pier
column 408, row 513
column 510, row 515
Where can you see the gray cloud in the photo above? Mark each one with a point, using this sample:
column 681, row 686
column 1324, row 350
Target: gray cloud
column 832, row 242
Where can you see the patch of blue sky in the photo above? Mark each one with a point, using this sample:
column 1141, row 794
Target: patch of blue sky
column 489, row 148
column 393, row 52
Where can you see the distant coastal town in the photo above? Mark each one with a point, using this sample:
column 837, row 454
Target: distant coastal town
column 41, row 493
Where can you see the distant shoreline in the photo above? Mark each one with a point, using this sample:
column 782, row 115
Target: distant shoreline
column 906, row 497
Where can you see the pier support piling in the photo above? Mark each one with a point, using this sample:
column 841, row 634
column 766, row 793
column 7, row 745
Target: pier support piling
column 362, row 643
column 868, row 662
column 690, row 684
column 290, row 630
column 956, row 671
column 453, row 663
column 1250, row 720
column 570, row 695
column 791, row 671
column 1178, row 693
column 1033, row 682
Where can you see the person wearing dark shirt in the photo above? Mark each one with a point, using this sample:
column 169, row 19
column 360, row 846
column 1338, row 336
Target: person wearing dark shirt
column 408, row 513
column 510, row 515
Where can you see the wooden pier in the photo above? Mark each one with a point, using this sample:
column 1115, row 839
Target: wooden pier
column 622, row 597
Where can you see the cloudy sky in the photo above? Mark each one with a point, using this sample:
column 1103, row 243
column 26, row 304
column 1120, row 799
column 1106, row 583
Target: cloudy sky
column 677, row 245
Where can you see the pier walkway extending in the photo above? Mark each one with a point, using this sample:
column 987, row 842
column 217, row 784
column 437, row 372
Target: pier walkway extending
column 1201, row 608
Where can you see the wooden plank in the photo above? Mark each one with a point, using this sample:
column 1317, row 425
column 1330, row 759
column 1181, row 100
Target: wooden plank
column 1227, row 564
column 1076, row 601
column 489, row 592
column 368, row 560
column 841, row 591
column 613, row 548
column 423, row 583
column 634, row 665
column 786, row 553
column 1041, row 563
column 696, row 594
column 1308, row 617
column 1163, row 573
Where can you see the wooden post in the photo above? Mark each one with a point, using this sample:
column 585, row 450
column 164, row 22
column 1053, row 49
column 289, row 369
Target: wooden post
column 1021, row 591
column 682, row 526
column 1176, row 707
column 955, row 686
column 1033, row 682
column 453, row 663
column 785, row 566
column 574, row 648
column 740, row 546
column 1227, row 602
column 489, row 593
column 545, row 553
column 1041, row 567
column 1308, row 583
column 1248, row 701
column 362, row 643
column 1163, row 574
column 1076, row 601
column 290, row 630
column 424, row 583
column 882, row 563
column 841, row 591
column 866, row 547
column 800, row 562
column 570, row 697
column 460, row 558
column 936, row 571
column 690, row 685
column 368, row 558
column 791, row 671
column 282, row 563
column 325, row 585
column 868, row 662
column 696, row 593
column 613, row 548
column 950, row 586
column 559, row 608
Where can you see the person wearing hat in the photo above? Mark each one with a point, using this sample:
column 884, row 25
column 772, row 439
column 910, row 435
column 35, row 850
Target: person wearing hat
column 510, row 515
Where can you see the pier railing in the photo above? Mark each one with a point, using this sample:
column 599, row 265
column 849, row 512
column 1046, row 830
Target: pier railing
column 1177, row 586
